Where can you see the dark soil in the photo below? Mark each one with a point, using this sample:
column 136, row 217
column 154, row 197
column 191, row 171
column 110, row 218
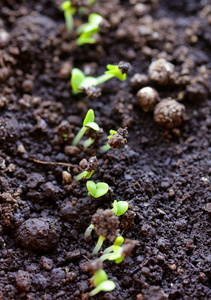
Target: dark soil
column 164, row 174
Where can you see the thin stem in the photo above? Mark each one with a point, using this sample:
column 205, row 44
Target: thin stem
column 108, row 250
column 105, row 256
column 89, row 230
column 87, row 143
column 99, row 244
column 105, row 148
column 104, row 78
column 79, row 136
column 94, row 292
column 69, row 20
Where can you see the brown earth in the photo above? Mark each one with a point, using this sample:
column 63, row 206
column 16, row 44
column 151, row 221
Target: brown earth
column 163, row 173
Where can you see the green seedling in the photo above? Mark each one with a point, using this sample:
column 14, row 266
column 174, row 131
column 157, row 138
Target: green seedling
column 80, row 82
column 118, row 251
column 118, row 241
column 97, row 190
column 89, row 166
column 99, row 244
column 87, row 30
column 120, row 207
column 87, row 123
column 106, row 147
column 69, row 12
column 101, row 283
column 84, row 174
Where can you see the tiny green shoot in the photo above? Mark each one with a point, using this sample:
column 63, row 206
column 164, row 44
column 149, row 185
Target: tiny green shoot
column 89, row 230
column 69, row 12
column 87, row 123
column 120, row 207
column 118, row 241
column 101, row 283
column 99, row 244
column 87, row 30
column 80, row 82
column 97, row 190
column 106, row 147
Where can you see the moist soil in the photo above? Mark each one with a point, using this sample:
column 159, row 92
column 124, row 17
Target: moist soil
column 164, row 174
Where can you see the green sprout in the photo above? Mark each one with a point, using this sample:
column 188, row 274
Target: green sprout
column 87, row 30
column 89, row 166
column 106, row 147
column 99, row 244
column 69, row 12
column 80, row 82
column 87, row 123
column 97, row 190
column 120, row 207
column 101, row 283
column 119, row 251
column 118, row 241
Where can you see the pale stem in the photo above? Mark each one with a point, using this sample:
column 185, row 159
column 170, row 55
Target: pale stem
column 88, row 142
column 79, row 136
column 89, row 230
column 101, row 239
column 69, row 20
column 103, row 78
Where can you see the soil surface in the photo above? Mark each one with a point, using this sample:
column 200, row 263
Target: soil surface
column 163, row 172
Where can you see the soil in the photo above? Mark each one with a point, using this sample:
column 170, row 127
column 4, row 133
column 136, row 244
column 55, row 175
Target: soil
column 163, row 173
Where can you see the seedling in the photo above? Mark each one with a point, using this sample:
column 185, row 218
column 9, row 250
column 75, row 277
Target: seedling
column 118, row 251
column 69, row 12
column 87, row 30
column 106, row 147
column 101, row 283
column 120, row 207
column 97, row 190
column 80, row 82
column 87, row 123
column 89, row 167
column 118, row 241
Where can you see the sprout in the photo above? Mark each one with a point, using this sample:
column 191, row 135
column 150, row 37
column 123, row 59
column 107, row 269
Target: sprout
column 80, row 82
column 106, row 147
column 118, row 252
column 120, row 207
column 105, row 286
column 118, row 241
column 101, row 282
column 87, row 30
column 97, row 190
column 87, row 123
column 99, row 244
column 89, row 167
column 69, row 12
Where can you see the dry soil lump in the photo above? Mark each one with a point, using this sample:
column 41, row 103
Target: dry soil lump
column 169, row 113
column 147, row 97
column 160, row 71
column 40, row 234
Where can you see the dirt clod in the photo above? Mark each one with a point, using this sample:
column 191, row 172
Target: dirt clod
column 169, row 113
column 41, row 234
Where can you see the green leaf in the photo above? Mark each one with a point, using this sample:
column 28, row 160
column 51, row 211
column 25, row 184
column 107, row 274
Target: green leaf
column 120, row 207
column 65, row 5
column 91, row 187
column 119, row 241
column 89, row 118
column 93, row 125
column 115, row 71
column 99, row 277
column 95, row 19
column 102, row 189
column 107, row 286
column 77, row 77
